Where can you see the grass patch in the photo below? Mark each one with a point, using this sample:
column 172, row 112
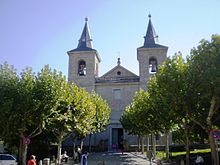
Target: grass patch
column 162, row 154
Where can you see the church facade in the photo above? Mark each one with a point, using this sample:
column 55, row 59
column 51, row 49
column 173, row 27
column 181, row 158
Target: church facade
column 118, row 85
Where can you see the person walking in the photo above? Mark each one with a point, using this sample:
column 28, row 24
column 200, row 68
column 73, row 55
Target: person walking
column 65, row 157
column 199, row 160
column 121, row 145
column 32, row 160
column 84, row 158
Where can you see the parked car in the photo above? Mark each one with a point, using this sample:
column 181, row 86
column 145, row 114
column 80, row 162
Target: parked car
column 7, row 159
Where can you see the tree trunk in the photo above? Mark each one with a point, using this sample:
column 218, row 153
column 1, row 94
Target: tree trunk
column 59, row 147
column 213, row 151
column 212, row 109
column 167, row 146
column 142, row 144
column 73, row 138
column 74, row 150
column 154, row 145
column 147, row 141
column 23, row 151
column 90, row 148
column 138, row 143
column 187, row 145
column 24, row 155
column 20, row 151
column 81, row 144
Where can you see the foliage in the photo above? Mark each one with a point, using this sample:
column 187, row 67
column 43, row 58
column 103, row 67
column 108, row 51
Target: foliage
column 137, row 118
column 102, row 113
column 167, row 92
column 204, row 76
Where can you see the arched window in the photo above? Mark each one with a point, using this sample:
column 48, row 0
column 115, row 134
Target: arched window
column 82, row 68
column 152, row 65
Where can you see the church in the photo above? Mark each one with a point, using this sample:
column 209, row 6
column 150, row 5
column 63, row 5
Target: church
column 118, row 85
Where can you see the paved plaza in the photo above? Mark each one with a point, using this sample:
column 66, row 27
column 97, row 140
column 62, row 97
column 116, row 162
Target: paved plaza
column 108, row 158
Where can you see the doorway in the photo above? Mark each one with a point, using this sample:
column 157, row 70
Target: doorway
column 117, row 136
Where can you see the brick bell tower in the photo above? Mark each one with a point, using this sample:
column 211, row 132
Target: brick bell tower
column 150, row 56
column 84, row 62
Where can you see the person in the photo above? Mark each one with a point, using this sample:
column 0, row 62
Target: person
column 121, row 145
column 114, row 147
column 32, row 160
column 65, row 157
column 199, row 160
column 84, row 158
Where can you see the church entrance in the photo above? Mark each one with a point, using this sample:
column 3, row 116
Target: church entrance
column 117, row 136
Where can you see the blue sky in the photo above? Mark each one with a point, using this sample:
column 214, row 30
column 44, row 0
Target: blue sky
column 38, row 32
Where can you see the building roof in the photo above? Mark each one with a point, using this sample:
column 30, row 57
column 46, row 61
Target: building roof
column 149, row 38
column 85, row 41
column 118, row 74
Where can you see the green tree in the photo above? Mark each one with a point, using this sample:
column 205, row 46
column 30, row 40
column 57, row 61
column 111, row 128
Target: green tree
column 138, row 117
column 102, row 114
column 204, row 76
column 60, row 119
column 82, row 113
column 8, row 90
column 170, row 97
column 27, row 102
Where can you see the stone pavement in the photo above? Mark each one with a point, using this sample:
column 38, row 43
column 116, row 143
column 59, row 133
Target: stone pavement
column 110, row 158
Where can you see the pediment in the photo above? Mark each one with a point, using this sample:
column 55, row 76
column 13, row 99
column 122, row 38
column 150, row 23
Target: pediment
column 118, row 71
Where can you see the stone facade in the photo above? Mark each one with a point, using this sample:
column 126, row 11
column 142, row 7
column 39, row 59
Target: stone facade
column 118, row 85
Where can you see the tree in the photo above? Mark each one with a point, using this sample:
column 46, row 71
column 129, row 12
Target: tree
column 102, row 113
column 26, row 103
column 82, row 113
column 59, row 121
column 8, row 90
column 204, row 76
column 138, row 117
column 20, row 110
column 170, row 97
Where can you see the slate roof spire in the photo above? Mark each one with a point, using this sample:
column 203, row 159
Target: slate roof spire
column 150, row 35
column 85, row 41
column 149, row 38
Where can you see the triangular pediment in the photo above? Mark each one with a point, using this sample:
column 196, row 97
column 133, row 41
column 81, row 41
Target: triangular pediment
column 118, row 71
column 118, row 74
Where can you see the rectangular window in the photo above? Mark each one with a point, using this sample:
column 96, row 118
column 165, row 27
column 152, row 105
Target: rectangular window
column 117, row 94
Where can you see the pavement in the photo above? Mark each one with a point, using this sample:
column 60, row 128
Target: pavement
column 115, row 158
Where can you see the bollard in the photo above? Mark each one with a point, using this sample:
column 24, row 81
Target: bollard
column 40, row 162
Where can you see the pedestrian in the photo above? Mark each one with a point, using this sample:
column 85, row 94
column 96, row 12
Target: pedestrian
column 121, row 145
column 64, row 157
column 32, row 160
column 84, row 158
column 199, row 160
column 114, row 147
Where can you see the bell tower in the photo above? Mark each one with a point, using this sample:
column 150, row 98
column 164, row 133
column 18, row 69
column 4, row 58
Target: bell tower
column 150, row 55
column 84, row 62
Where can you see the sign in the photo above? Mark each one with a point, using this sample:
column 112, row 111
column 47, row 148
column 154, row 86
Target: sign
column 27, row 141
column 215, row 134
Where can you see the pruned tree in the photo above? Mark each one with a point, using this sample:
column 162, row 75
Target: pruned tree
column 138, row 117
column 26, row 102
column 204, row 76
column 82, row 113
column 102, row 114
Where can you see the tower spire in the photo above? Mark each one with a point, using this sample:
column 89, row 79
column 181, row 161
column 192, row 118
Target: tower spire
column 149, row 39
column 85, row 40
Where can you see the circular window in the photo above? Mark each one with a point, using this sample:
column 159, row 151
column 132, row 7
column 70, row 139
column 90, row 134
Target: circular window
column 118, row 73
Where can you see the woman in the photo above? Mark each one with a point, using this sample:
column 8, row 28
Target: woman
column 32, row 160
